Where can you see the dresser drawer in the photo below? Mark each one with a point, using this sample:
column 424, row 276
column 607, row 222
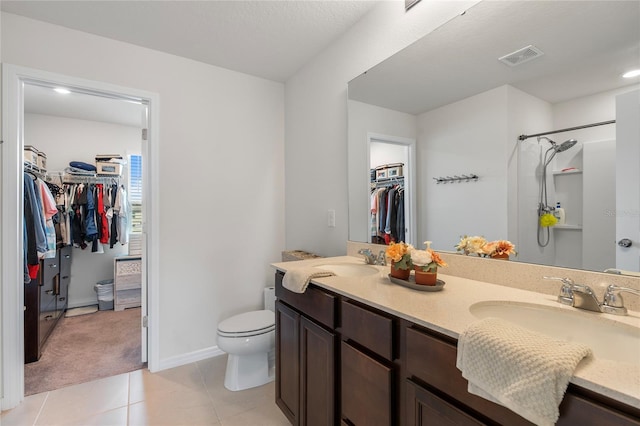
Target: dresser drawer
column 65, row 261
column 50, row 268
column 368, row 328
column 314, row 302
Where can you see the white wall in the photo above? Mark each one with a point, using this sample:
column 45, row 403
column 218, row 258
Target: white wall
column 463, row 138
column 221, row 162
column 316, row 111
column 65, row 140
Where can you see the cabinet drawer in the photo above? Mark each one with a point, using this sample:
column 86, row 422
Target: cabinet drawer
column 50, row 269
column 368, row 328
column 433, row 361
column 47, row 319
column 367, row 389
column 314, row 302
column 65, row 261
column 48, row 292
column 425, row 408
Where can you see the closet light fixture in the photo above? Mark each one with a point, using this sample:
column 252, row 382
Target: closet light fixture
column 631, row 74
column 62, row 90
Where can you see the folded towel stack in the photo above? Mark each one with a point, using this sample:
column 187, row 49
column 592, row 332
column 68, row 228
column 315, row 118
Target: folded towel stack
column 297, row 279
column 525, row 371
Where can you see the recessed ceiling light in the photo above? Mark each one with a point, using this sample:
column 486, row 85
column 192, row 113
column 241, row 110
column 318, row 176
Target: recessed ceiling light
column 631, row 74
column 62, row 90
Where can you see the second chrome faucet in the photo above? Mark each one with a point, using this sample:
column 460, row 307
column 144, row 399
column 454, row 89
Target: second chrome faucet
column 583, row 297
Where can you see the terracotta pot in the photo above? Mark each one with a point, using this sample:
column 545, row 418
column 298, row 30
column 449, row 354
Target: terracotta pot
column 503, row 256
column 425, row 278
column 402, row 274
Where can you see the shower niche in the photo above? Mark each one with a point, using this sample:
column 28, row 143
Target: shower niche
column 569, row 194
column 569, row 236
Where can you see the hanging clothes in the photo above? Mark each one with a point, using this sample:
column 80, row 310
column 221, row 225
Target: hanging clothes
column 49, row 210
column 34, row 236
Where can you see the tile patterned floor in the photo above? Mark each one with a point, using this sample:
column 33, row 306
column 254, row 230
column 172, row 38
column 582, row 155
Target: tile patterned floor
column 193, row 394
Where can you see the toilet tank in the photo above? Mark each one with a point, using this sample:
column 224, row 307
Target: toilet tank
column 270, row 298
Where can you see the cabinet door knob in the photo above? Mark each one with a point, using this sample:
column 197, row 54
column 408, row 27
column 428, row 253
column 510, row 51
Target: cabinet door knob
column 49, row 291
column 53, row 265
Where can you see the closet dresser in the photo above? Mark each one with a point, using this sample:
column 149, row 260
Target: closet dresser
column 45, row 301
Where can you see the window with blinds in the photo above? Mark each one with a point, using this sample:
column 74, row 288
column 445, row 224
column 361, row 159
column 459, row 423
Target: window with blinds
column 135, row 192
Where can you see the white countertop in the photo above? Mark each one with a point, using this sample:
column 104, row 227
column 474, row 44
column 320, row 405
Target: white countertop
column 447, row 312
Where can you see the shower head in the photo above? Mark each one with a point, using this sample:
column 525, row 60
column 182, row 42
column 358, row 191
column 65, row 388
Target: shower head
column 565, row 145
column 559, row 148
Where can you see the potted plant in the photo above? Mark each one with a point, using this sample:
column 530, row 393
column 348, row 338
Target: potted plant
column 499, row 249
column 471, row 245
column 400, row 256
column 425, row 263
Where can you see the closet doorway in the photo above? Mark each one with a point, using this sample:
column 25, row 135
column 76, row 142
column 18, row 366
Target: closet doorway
column 99, row 119
column 392, row 167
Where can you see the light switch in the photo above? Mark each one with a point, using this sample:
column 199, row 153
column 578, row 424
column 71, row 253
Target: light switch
column 331, row 218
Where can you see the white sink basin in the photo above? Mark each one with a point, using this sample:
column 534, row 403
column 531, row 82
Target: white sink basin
column 608, row 339
column 350, row 269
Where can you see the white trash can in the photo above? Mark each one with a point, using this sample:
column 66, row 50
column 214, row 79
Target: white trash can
column 104, row 290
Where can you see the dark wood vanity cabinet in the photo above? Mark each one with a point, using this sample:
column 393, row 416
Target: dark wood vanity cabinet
column 340, row 361
column 306, row 356
column 436, row 388
column 45, row 301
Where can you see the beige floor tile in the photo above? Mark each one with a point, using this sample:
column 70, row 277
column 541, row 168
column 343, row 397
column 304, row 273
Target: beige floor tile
column 229, row 404
column 149, row 413
column 190, row 395
column 25, row 413
column 267, row 414
column 117, row 417
column 180, row 379
column 84, row 400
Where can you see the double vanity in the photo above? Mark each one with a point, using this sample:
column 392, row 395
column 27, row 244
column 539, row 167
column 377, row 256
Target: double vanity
column 356, row 349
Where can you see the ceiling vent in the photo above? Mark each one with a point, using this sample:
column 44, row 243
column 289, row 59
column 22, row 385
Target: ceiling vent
column 521, row 56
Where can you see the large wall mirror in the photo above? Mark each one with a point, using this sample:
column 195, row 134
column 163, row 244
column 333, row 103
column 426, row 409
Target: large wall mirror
column 505, row 122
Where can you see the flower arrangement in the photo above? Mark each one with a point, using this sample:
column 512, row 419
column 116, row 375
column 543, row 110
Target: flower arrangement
column 501, row 248
column 426, row 260
column 471, row 245
column 400, row 255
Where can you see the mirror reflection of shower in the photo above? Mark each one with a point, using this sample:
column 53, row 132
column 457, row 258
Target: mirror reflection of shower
column 545, row 211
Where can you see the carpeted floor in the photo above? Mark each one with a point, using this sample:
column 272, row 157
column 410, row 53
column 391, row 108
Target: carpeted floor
column 85, row 348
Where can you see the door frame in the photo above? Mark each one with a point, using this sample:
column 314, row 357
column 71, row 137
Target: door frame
column 11, row 229
column 409, row 182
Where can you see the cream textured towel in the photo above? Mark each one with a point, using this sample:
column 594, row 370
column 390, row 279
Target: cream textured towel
column 298, row 279
column 525, row 371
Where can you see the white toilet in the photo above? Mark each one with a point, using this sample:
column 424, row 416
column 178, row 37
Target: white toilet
column 249, row 339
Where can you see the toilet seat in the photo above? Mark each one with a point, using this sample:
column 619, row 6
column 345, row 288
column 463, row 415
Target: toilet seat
column 248, row 324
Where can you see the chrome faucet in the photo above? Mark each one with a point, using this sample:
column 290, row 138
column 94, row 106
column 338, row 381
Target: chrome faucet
column 566, row 295
column 585, row 298
column 582, row 297
column 613, row 303
column 371, row 259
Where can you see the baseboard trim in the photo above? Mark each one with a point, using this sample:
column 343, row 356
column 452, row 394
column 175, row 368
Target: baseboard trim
column 188, row 358
column 82, row 303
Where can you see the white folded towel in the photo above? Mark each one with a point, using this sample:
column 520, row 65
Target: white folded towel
column 525, row 371
column 297, row 279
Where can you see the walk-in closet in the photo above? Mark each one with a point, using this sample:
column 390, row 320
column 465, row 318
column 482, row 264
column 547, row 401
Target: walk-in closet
column 390, row 213
column 83, row 254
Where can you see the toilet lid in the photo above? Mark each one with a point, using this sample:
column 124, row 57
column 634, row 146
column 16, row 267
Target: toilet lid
column 254, row 321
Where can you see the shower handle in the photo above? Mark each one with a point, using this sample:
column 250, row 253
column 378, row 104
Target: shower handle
column 625, row 242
